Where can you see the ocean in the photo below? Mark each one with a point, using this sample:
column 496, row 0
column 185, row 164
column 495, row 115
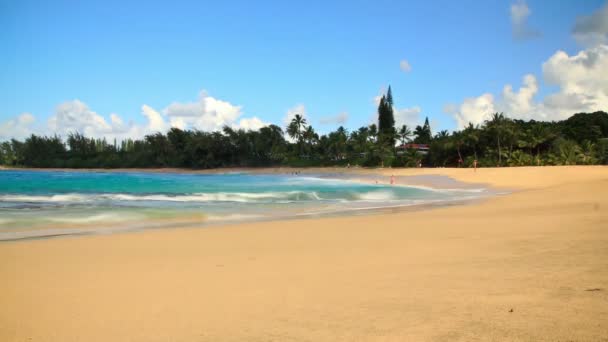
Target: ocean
column 36, row 204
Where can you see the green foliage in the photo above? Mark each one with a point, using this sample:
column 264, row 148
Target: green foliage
column 386, row 120
column 520, row 158
column 423, row 133
column 580, row 127
column 41, row 151
column 566, row 152
column 602, row 150
column 296, row 127
column 7, row 155
column 404, row 134
column 500, row 141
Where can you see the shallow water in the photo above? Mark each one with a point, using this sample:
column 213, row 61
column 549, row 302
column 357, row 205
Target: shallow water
column 49, row 203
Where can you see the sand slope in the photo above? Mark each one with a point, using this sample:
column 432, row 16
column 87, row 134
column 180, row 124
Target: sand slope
column 448, row 274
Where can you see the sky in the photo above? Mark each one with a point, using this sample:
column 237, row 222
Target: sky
column 128, row 68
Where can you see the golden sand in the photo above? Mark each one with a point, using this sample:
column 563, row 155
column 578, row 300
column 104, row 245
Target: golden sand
column 529, row 266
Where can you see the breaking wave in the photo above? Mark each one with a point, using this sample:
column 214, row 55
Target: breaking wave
column 240, row 197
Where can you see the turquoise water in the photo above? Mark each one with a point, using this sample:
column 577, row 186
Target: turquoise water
column 40, row 203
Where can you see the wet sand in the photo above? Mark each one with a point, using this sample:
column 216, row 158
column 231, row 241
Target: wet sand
column 528, row 266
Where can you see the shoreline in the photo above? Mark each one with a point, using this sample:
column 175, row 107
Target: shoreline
column 76, row 232
column 470, row 193
column 527, row 266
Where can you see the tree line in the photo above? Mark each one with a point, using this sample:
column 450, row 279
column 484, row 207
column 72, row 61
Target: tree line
column 499, row 141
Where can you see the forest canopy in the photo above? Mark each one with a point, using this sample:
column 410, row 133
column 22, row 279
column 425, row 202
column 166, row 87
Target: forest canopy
column 499, row 141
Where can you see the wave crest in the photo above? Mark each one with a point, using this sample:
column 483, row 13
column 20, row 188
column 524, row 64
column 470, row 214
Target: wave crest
column 240, row 197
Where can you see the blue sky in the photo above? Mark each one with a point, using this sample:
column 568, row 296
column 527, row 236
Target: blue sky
column 270, row 56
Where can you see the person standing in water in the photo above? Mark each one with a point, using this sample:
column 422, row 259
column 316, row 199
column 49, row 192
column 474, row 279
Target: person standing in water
column 392, row 179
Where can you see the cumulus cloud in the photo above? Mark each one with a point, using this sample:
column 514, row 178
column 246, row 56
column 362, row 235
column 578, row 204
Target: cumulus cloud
column 407, row 116
column 473, row 109
column 405, row 66
column 207, row 113
column 592, row 30
column 519, row 21
column 156, row 122
column 250, row 124
column 17, row 128
column 339, row 119
column 75, row 116
column 580, row 79
column 520, row 103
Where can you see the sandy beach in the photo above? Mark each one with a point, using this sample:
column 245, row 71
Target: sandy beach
column 527, row 266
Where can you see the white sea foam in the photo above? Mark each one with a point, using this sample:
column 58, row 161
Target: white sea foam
column 377, row 195
column 46, row 199
column 243, row 197
column 240, row 197
column 102, row 217
column 384, row 195
column 444, row 190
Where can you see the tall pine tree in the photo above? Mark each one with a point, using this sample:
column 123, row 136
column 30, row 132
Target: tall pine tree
column 389, row 97
column 386, row 119
column 427, row 128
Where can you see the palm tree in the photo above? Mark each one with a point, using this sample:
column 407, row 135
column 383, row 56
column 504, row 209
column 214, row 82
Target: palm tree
column 310, row 136
column 419, row 133
column 373, row 132
column 442, row 134
column 296, row 127
column 359, row 140
column 412, row 157
column 404, row 134
column 587, row 153
column 471, row 137
column 458, row 142
column 568, row 152
column 538, row 135
column 497, row 125
column 519, row 158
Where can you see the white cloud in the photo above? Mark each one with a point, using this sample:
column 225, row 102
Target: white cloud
column 519, row 21
column 253, row 123
column 407, row 116
column 519, row 104
column 291, row 112
column 592, row 30
column 582, row 87
column 474, row 109
column 156, row 122
column 582, row 79
column 208, row 113
column 75, row 116
column 339, row 119
column 405, row 66
column 116, row 120
column 17, row 128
